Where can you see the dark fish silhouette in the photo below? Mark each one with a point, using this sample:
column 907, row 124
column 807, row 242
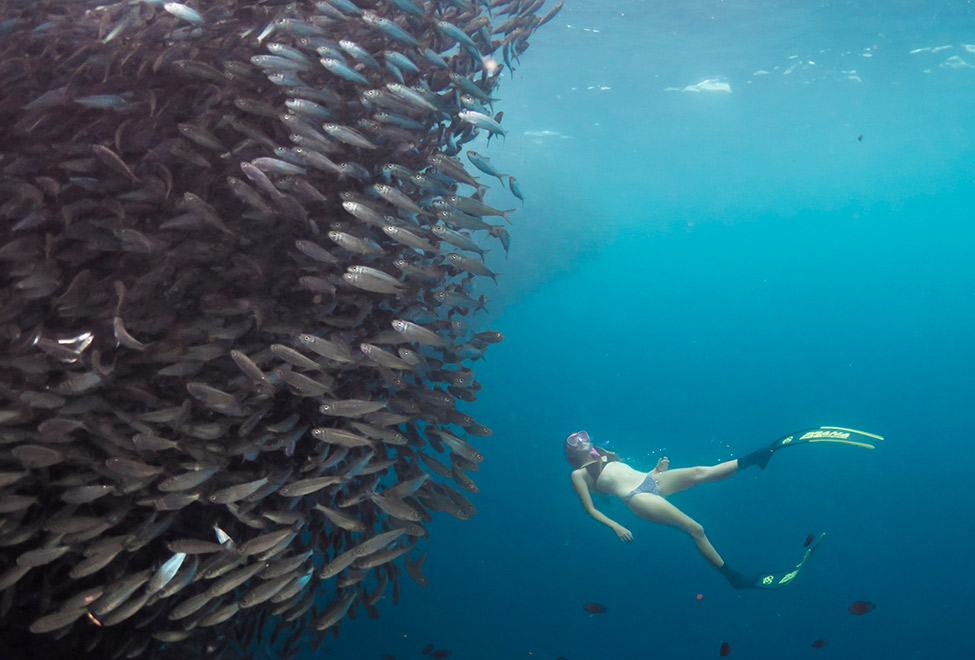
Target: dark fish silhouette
column 594, row 608
column 819, row 643
column 860, row 607
column 725, row 649
column 809, row 539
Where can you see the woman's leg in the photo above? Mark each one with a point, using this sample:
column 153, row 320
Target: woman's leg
column 674, row 481
column 655, row 508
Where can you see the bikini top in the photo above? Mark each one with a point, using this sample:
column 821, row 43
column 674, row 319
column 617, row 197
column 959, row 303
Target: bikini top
column 596, row 467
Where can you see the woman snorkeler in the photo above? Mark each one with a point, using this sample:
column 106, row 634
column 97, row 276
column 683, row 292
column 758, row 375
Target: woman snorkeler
column 595, row 468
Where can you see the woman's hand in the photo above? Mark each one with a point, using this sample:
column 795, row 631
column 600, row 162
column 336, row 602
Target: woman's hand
column 625, row 535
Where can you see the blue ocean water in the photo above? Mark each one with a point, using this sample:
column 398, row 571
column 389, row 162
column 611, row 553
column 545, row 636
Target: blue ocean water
column 697, row 270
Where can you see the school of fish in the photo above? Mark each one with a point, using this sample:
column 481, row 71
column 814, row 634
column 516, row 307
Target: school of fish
column 237, row 247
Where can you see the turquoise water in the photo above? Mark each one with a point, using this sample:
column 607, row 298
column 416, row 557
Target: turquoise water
column 694, row 274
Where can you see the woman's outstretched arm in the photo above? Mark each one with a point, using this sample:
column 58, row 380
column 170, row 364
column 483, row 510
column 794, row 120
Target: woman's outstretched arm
column 582, row 490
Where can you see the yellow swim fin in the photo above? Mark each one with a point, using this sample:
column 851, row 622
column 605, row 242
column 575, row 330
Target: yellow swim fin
column 831, row 434
column 779, row 579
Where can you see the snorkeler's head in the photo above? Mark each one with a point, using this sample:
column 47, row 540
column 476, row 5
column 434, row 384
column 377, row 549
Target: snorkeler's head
column 579, row 449
column 578, row 439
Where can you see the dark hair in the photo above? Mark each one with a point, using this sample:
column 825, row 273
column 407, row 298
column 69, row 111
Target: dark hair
column 579, row 457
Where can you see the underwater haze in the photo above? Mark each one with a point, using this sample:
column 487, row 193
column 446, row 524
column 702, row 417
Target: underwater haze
column 742, row 219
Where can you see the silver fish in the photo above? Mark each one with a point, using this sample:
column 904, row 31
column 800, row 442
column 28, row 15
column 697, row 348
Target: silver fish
column 418, row 333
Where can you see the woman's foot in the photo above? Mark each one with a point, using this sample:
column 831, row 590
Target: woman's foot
column 736, row 579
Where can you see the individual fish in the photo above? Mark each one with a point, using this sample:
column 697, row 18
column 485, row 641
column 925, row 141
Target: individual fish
column 332, row 349
column 280, row 64
column 395, row 507
column 725, row 649
column 411, row 97
column 360, row 54
column 285, row 565
column 57, row 620
column 350, row 407
column 41, row 556
column 302, row 384
column 346, row 522
column 481, row 120
column 463, row 263
column 417, row 333
column 335, row 610
column 861, row 607
column 453, row 32
column 452, row 168
column 389, row 28
column 409, row 239
column 193, row 547
column 264, row 542
column 395, row 197
column 202, row 137
column 515, row 188
column 340, row 437
column 415, row 569
column 819, row 643
column 475, row 206
column 552, row 13
column 465, row 84
column 384, row 358
column 183, row 12
column 315, row 251
column 400, row 60
column 237, row 492
column 809, row 539
column 343, row 70
column 433, row 57
column 457, row 444
column 165, row 573
column 293, row 357
column 131, row 468
column 460, row 300
column 410, row 7
column 187, row 480
column 354, row 243
column 369, row 281
column 118, row 592
column 307, row 486
column 213, row 398
column 458, row 239
column 483, row 163
column 277, row 166
column 594, row 608
column 348, row 135
column 345, row 6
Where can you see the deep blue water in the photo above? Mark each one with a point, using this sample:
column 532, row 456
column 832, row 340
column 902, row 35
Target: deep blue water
column 694, row 274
